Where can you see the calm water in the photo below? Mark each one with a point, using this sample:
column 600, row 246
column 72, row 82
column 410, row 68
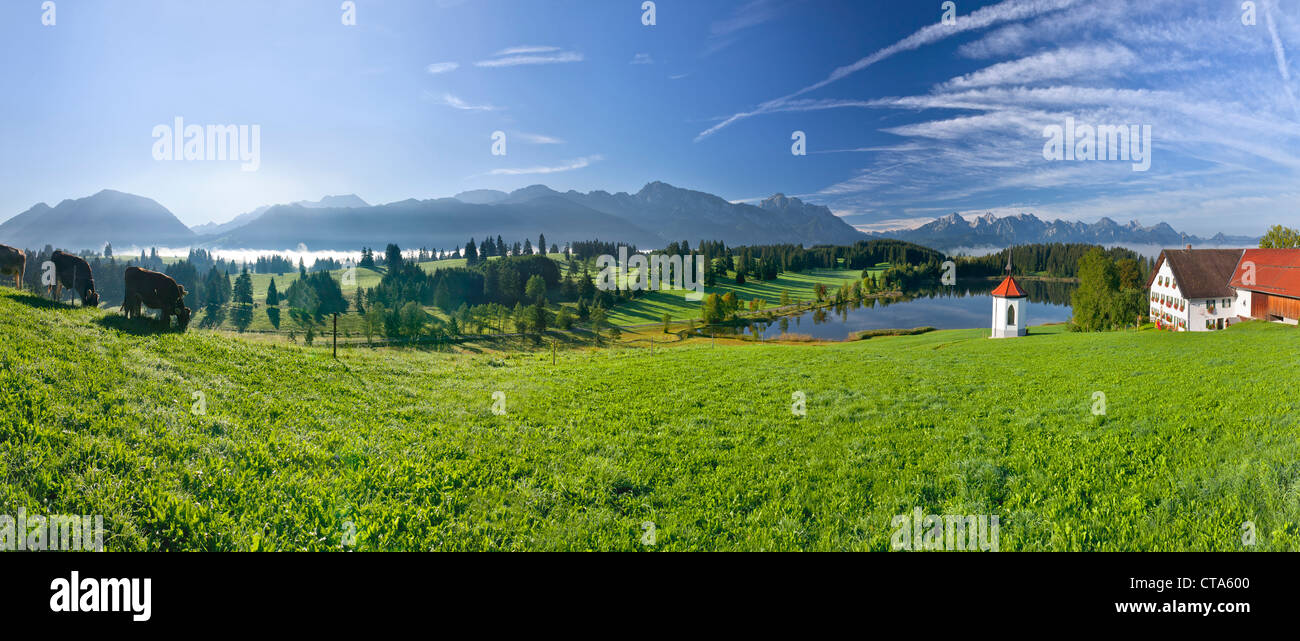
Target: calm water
column 945, row 308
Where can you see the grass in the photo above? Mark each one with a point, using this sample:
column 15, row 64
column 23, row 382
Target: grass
column 646, row 310
column 295, row 449
column 800, row 286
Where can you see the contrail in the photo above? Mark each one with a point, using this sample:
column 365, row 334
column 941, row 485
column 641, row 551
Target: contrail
column 1003, row 12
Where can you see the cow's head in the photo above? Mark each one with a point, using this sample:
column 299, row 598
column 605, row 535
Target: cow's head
column 183, row 316
column 91, row 297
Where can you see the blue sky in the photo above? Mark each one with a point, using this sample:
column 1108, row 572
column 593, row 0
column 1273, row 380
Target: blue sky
column 906, row 118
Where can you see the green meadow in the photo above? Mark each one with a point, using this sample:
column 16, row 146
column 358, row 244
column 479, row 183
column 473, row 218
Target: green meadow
column 207, row 441
column 646, row 310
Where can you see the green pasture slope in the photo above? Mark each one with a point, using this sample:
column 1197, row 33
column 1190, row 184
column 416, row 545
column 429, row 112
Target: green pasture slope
column 1199, row 436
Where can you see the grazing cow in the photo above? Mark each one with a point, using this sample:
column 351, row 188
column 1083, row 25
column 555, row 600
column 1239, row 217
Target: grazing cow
column 156, row 291
column 73, row 272
column 13, row 262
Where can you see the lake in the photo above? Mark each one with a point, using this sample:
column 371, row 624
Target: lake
column 942, row 308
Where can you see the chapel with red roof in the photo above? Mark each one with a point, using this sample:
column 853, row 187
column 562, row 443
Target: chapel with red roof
column 1008, row 307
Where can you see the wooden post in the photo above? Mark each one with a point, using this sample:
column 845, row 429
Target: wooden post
column 552, row 353
column 336, row 336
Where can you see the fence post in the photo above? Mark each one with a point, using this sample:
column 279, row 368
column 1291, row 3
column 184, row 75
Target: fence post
column 336, row 337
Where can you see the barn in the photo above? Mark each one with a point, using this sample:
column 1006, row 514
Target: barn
column 1267, row 284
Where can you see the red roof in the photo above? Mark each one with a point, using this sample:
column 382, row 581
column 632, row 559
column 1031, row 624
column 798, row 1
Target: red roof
column 1276, row 271
column 1009, row 289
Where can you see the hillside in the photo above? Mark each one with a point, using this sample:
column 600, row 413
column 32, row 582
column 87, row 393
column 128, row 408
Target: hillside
column 95, row 418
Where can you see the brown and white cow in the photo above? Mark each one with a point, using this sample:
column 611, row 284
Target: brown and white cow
column 156, row 291
column 73, row 272
column 13, row 262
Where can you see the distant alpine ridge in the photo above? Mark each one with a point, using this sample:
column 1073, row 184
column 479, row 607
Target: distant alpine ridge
column 211, row 229
column 653, row 217
column 953, row 232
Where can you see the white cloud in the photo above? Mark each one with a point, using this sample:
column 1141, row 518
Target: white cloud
column 538, row 139
column 723, row 33
column 580, row 163
column 1098, row 60
column 514, row 51
column 1005, row 11
column 442, row 67
column 642, row 59
column 527, row 55
column 454, row 102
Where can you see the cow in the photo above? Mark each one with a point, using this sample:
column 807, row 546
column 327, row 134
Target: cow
column 156, row 291
column 73, row 272
column 13, row 262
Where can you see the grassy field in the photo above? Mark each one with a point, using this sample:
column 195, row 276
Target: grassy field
column 801, row 286
column 648, row 309
column 365, row 278
column 297, row 451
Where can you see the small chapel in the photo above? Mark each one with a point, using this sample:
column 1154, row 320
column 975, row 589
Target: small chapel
column 1008, row 308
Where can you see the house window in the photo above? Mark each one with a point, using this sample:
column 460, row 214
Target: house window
column 1011, row 315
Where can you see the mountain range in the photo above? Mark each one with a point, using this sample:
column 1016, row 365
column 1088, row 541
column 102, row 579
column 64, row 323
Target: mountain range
column 953, row 232
column 651, row 218
column 212, row 229
column 125, row 220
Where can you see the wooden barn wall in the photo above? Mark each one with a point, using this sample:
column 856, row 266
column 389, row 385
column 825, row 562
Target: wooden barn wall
column 1264, row 306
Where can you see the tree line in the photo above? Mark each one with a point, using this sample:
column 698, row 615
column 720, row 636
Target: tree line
column 1057, row 260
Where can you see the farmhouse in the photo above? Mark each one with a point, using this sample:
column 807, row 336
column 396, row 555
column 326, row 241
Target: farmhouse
column 1267, row 283
column 1190, row 289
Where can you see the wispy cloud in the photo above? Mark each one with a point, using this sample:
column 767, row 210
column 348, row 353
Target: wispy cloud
column 580, row 163
column 723, row 33
column 642, row 59
column 1008, row 10
column 1097, row 60
column 530, row 55
column 514, row 51
column 449, row 100
column 538, row 139
column 1279, row 54
column 1219, row 96
column 442, row 67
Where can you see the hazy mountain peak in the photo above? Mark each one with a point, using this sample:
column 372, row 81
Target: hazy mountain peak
column 108, row 216
column 481, row 196
column 346, row 200
column 533, row 191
